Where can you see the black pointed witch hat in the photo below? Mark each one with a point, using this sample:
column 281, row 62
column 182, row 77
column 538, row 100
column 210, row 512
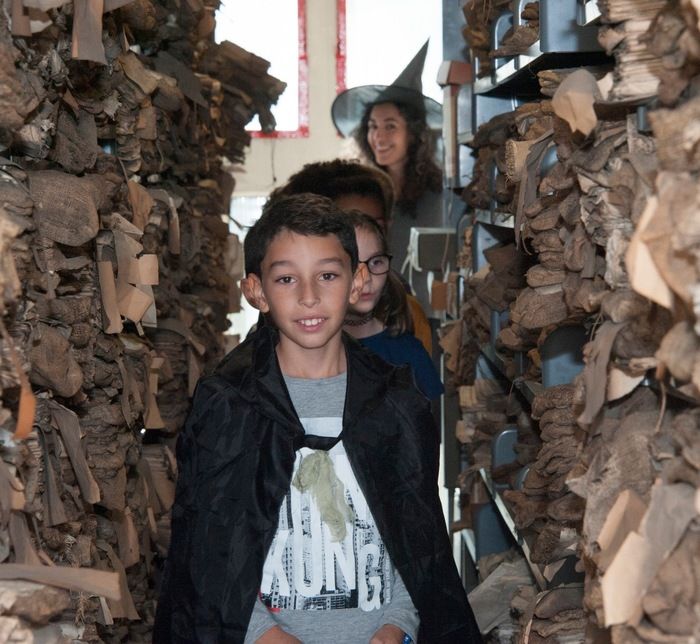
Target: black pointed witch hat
column 348, row 106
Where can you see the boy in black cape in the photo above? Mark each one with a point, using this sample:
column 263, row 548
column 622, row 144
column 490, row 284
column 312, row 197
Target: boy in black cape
column 307, row 505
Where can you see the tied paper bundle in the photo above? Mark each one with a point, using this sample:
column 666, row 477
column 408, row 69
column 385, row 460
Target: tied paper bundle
column 117, row 275
column 518, row 39
column 637, row 66
column 607, row 214
column 479, row 17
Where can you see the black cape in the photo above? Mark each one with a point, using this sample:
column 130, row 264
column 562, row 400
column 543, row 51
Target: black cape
column 235, row 458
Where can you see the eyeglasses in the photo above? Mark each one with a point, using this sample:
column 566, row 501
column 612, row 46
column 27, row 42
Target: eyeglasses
column 378, row 264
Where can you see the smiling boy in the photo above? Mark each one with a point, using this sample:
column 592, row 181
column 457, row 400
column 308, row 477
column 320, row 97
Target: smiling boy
column 305, row 285
column 306, row 507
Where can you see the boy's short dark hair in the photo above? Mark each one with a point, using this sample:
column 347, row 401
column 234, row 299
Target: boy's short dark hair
column 303, row 214
column 338, row 178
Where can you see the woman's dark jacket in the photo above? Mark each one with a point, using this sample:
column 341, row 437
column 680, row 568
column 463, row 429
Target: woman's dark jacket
column 235, row 459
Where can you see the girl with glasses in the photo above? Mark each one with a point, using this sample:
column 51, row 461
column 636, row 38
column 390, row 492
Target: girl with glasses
column 381, row 319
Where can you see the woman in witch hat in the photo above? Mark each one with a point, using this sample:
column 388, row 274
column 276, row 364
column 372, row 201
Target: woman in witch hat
column 393, row 125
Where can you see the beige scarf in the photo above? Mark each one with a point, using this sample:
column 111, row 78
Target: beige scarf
column 317, row 477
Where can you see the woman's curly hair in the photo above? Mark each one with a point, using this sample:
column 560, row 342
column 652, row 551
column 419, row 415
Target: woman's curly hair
column 422, row 172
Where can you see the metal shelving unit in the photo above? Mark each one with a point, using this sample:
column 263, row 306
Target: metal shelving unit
column 519, row 74
column 512, row 72
column 568, row 38
column 496, row 218
column 528, row 388
column 587, row 12
column 469, row 542
column 465, row 138
column 510, row 523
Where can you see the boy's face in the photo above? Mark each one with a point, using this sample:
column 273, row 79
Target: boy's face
column 306, row 285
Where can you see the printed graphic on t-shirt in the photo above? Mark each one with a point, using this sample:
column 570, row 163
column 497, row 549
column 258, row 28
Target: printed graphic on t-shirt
column 304, row 569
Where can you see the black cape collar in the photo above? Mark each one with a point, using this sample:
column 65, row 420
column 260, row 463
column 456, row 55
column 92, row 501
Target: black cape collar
column 253, row 369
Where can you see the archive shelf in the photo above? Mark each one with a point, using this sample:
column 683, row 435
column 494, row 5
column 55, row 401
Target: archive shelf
column 568, row 38
column 496, row 218
column 528, row 388
column 510, row 524
column 587, row 12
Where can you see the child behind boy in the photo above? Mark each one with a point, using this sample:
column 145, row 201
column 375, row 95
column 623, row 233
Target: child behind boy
column 355, row 186
column 306, row 477
column 380, row 320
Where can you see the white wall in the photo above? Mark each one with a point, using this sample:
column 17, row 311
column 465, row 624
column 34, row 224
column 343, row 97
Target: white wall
column 287, row 156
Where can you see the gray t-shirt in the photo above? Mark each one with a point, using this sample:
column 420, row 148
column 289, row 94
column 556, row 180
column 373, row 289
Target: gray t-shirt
column 314, row 588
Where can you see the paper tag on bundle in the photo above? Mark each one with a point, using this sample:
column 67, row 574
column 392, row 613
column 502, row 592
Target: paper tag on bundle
column 574, row 101
column 438, row 295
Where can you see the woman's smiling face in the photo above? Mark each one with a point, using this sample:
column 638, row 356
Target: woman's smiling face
column 387, row 135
